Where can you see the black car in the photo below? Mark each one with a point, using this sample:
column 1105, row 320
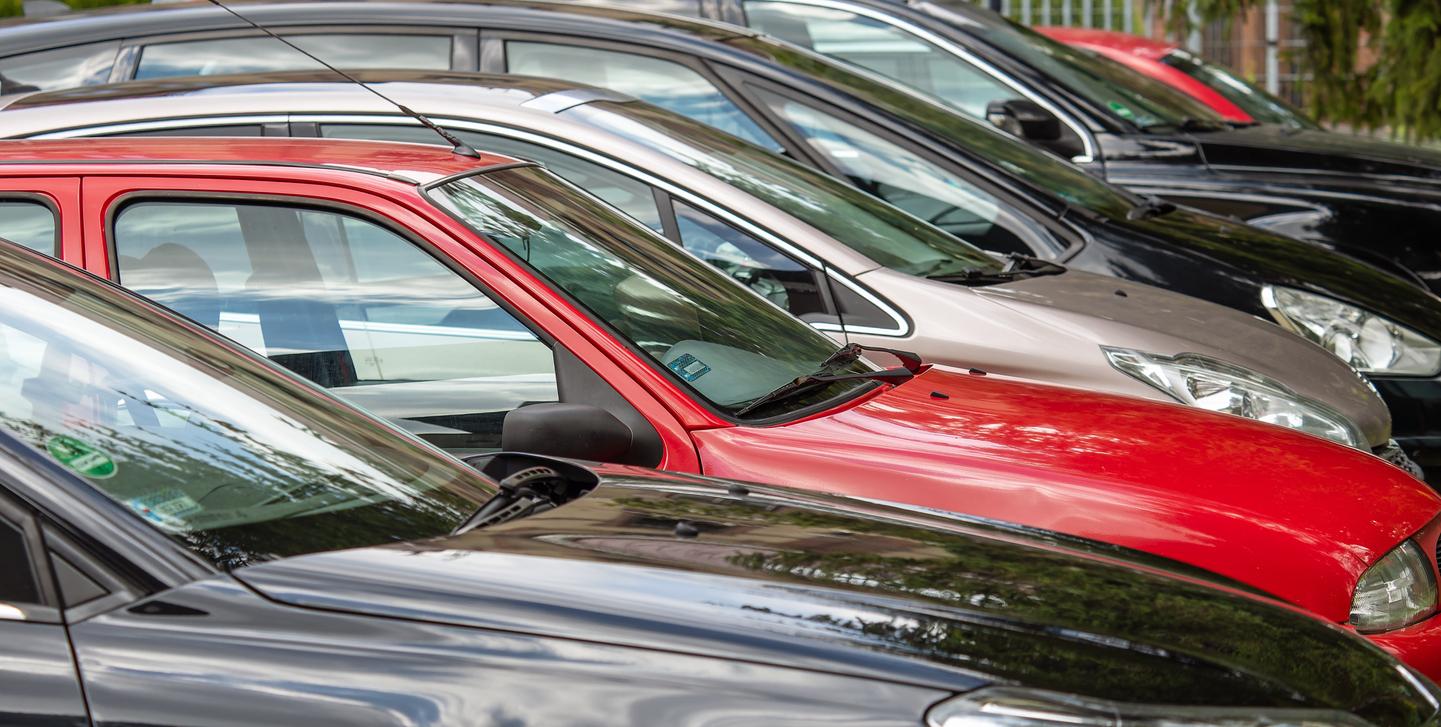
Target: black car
column 963, row 175
column 193, row 536
column 1376, row 200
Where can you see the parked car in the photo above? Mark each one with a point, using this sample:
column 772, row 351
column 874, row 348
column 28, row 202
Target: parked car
column 843, row 261
column 1334, row 190
column 915, row 154
column 484, row 303
column 1224, row 91
column 193, row 537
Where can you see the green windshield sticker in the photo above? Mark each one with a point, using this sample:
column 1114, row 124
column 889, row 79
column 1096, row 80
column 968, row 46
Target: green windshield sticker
column 81, row 457
column 1122, row 111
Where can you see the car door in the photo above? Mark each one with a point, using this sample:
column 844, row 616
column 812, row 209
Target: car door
column 38, row 682
column 362, row 305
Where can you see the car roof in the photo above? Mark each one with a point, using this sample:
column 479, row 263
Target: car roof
column 413, row 162
column 1134, row 44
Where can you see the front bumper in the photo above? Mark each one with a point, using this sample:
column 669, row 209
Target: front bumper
column 1415, row 406
column 1393, row 453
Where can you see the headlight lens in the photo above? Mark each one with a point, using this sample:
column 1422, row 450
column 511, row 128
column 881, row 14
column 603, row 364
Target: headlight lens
column 1020, row 707
column 1398, row 591
column 1365, row 340
column 1214, row 385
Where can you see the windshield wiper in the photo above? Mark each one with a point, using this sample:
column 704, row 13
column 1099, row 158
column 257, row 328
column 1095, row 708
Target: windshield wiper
column 825, row 374
column 1016, row 268
column 1189, row 123
column 527, row 492
column 1150, row 206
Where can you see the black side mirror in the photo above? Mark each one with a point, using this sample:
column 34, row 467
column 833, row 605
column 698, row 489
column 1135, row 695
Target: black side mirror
column 1025, row 119
column 577, row 431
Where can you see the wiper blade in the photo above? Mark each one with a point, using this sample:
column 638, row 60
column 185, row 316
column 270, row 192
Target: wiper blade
column 1150, row 207
column 1017, row 268
column 847, row 354
column 527, row 492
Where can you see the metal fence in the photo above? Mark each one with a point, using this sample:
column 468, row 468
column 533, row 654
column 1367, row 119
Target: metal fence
column 1108, row 14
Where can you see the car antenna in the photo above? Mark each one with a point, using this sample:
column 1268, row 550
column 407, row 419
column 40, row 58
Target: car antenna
column 458, row 146
column 831, row 289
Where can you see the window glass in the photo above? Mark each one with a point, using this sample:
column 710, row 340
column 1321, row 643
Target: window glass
column 882, row 48
column 17, row 574
column 222, row 452
column 30, row 224
column 664, row 83
column 219, row 130
column 1251, row 98
column 913, row 184
column 722, row 340
column 345, row 303
column 81, row 65
column 632, row 197
column 262, row 53
column 773, row 275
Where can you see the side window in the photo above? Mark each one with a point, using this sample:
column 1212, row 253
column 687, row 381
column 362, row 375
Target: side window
column 81, row 65
column 774, row 276
column 630, row 196
column 18, row 584
column 667, row 84
column 345, row 303
column 219, row 130
column 30, row 224
column 913, row 184
column 261, row 53
column 879, row 47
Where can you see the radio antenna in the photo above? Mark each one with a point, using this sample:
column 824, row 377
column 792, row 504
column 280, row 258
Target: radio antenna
column 458, row 146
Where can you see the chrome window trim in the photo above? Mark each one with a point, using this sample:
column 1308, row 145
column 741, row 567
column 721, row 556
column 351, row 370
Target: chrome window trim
column 960, row 52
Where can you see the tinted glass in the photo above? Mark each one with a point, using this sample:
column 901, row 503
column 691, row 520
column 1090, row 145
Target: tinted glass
column 630, row 196
column 1257, row 104
column 81, row 65
column 774, row 276
column 30, row 224
column 664, row 83
column 345, row 303
column 723, row 341
column 226, row 454
column 17, row 575
column 882, row 48
column 261, row 53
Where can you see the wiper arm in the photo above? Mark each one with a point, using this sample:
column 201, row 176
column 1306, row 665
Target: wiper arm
column 1190, row 123
column 527, row 492
column 1018, row 267
column 910, row 366
column 1149, row 207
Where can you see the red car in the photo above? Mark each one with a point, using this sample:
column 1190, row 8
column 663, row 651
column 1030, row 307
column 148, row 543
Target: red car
column 483, row 303
column 1229, row 95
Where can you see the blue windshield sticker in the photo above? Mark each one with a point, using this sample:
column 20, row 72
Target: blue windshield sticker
column 688, row 367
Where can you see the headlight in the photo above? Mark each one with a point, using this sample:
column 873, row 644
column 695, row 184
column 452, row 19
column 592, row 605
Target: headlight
column 1214, row 385
column 1365, row 340
column 1398, row 591
column 1020, row 707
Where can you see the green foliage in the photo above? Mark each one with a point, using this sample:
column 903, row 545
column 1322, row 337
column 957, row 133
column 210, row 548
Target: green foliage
column 10, row 8
column 1401, row 90
column 16, row 8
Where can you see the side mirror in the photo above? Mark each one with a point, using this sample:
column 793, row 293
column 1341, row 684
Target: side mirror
column 1025, row 119
column 577, row 431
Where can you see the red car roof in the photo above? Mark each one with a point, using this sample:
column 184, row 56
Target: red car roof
column 375, row 157
column 1133, row 44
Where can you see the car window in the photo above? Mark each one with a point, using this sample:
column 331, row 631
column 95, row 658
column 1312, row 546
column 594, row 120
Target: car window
column 262, row 53
column 234, row 459
column 30, row 224
column 630, row 196
column 18, row 584
column 81, row 65
column 882, row 48
column 715, row 336
column 217, row 130
column 913, row 184
column 664, row 83
column 345, row 303
column 772, row 274
column 1255, row 101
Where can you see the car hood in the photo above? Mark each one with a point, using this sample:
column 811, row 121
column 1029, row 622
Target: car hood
column 810, row 582
column 1282, row 148
column 1287, row 513
column 1111, row 312
column 1267, row 257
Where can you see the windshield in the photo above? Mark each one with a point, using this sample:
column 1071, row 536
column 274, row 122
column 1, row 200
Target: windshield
column 1257, row 104
column 712, row 334
column 1124, row 93
column 229, row 456
column 982, row 143
column 865, row 224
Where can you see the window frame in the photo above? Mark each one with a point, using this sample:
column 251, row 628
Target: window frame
column 48, row 203
column 47, row 611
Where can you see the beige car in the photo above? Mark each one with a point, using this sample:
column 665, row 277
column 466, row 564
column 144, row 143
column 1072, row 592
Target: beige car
column 841, row 260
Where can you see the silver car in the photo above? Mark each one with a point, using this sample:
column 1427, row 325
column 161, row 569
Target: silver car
column 840, row 259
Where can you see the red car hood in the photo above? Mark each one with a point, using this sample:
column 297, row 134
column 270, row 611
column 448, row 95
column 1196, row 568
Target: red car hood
column 1290, row 514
